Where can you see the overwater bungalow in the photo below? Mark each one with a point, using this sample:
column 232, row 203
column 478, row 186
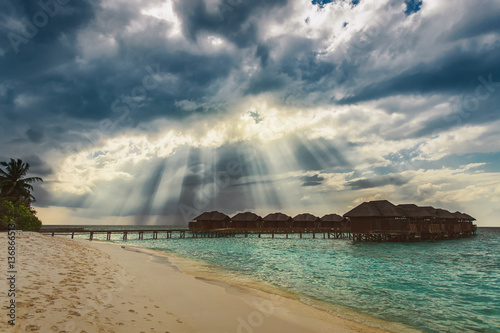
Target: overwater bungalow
column 277, row 220
column 447, row 219
column 466, row 223
column 419, row 218
column 246, row 220
column 378, row 216
column 210, row 220
column 334, row 221
column 443, row 218
column 378, row 220
column 306, row 221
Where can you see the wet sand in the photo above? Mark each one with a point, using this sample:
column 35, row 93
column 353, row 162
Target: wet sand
column 66, row 285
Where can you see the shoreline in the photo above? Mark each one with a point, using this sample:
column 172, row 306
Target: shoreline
column 228, row 279
column 69, row 285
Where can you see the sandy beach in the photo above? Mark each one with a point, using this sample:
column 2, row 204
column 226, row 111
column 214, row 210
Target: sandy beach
column 65, row 285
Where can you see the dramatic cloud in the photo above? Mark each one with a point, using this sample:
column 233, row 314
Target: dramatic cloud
column 153, row 111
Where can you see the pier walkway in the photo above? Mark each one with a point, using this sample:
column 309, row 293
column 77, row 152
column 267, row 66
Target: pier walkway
column 214, row 233
column 167, row 233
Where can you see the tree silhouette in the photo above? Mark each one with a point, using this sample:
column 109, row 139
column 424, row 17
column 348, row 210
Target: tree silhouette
column 13, row 186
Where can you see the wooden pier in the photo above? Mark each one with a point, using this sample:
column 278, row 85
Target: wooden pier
column 413, row 235
column 169, row 233
column 209, row 233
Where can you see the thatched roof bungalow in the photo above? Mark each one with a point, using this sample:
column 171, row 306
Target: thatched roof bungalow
column 246, row 220
column 376, row 216
column 333, row 221
column 443, row 217
column 419, row 218
column 210, row 220
column 470, row 218
column 306, row 220
column 415, row 212
column 465, row 221
column 277, row 220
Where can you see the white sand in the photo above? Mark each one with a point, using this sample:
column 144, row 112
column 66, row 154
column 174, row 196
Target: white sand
column 66, row 285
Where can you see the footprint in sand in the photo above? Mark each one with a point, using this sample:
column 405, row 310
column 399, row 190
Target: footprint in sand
column 32, row 328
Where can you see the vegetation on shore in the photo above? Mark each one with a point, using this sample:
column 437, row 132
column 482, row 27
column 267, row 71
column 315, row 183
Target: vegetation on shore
column 16, row 197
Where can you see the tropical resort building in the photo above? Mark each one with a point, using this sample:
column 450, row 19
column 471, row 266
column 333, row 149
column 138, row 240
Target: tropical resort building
column 306, row 221
column 335, row 222
column 277, row 220
column 210, row 221
column 378, row 220
column 246, row 220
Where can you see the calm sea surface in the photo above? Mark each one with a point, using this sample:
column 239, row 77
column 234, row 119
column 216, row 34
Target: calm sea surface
column 445, row 286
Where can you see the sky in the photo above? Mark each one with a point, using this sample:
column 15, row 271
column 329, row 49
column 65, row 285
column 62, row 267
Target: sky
column 151, row 112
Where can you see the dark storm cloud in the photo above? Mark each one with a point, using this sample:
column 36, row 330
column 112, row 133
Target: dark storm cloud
column 43, row 23
column 312, row 180
column 46, row 77
column 37, row 165
column 231, row 20
column 266, row 82
column 42, row 196
column 482, row 20
column 300, row 62
column 456, row 72
column 34, row 135
column 377, row 182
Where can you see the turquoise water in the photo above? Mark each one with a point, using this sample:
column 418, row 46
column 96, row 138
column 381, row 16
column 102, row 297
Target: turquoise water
column 446, row 286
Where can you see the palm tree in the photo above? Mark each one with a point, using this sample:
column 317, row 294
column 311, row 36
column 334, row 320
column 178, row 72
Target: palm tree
column 13, row 186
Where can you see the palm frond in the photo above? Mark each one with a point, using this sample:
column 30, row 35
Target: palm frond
column 32, row 179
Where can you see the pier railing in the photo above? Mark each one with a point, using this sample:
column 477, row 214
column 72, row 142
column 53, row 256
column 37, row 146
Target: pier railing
column 434, row 232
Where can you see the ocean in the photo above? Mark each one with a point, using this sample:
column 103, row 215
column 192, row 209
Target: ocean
column 443, row 286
